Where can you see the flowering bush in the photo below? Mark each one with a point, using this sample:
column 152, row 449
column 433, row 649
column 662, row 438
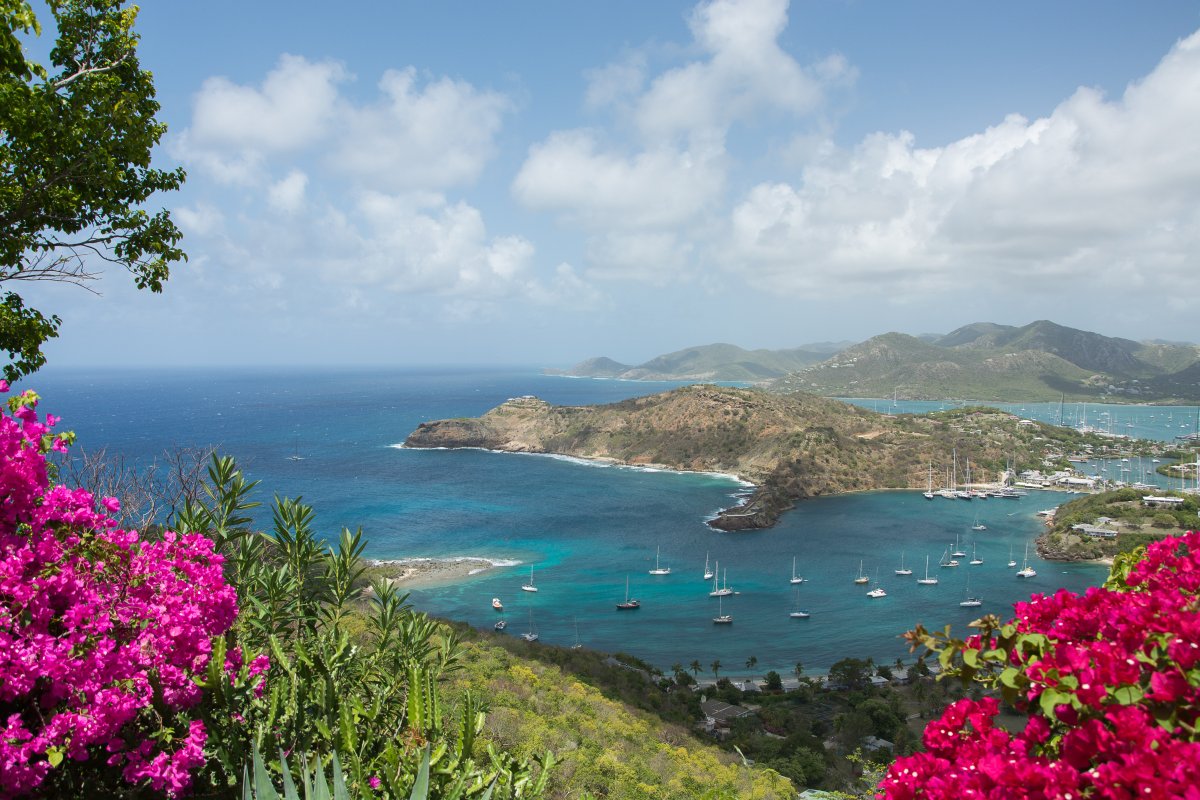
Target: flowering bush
column 104, row 634
column 1110, row 681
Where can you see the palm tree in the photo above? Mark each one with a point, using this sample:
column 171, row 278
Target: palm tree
column 751, row 661
column 799, row 669
column 716, row 667
column 695, row 667
column 676, row 668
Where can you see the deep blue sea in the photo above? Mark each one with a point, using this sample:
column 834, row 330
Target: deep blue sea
column 583, row 528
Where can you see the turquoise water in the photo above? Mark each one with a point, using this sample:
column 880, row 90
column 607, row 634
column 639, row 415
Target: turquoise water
column 584, row 528
column 1163, row 423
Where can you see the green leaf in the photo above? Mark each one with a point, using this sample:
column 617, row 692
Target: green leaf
column 54, row 755
column 1127, row 695
column 420, row 790
column 1049, row 699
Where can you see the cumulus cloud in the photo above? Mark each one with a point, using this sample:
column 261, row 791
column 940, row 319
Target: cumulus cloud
column 571, row 174
column 639, row 200
column 235, row 127
column 432, row 136
column 1103, row 190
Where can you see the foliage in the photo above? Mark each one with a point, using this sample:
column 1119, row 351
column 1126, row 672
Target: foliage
column 103, row 633
column 1110, row 682
column 606, row 749
column 354, row 671
column 75, row 163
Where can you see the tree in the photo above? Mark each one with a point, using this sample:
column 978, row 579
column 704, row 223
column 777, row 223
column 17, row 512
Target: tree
column 716, row 667
column 695, row 667
column 75, row 142
column 774, row 682
column 799, row 670
column 751, row 661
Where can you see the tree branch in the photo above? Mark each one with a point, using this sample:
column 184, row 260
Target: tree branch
column 85, row 71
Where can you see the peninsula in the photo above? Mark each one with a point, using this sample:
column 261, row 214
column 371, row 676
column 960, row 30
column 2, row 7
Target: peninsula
column 790, row 446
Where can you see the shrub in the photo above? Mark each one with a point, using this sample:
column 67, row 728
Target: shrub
column 104, row 634
column 1110, row 681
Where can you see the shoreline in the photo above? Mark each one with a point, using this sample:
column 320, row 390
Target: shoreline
column 421, row 573
column 599, row 461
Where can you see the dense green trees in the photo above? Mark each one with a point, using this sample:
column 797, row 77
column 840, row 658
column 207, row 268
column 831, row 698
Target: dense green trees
column 75, row 142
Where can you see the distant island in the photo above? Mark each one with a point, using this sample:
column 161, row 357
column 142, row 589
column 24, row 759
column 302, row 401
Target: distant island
column 1039, row 362
column 789, row 446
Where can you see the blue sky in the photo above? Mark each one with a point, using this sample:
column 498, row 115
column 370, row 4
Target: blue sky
column 536, row 183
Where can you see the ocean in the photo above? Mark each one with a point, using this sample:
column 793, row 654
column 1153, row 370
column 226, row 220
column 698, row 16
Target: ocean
column 583, row 528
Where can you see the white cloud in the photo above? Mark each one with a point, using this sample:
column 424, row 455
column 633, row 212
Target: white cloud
column 235, row 127
column 202, row 219
column 745, row 71
column 639, row 201
column 434, row 136
column 1098, row 191
column 599, row 190
column 287, row 195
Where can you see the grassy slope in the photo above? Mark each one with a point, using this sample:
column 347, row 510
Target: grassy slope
column 606, row 748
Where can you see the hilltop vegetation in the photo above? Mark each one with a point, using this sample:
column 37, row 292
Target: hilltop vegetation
column 1122, row 511
column 1041, row 361
column 790, row 446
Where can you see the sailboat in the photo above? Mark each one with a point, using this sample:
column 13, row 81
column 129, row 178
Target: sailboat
column 658, row 569
column 958, row 548
column 629, row 604
column 862, row 578
column 927, row 581
column 903, row 569
column 724, row 590
column 929, row 485
column 722, row 618
column 1026, row 571
column 708, row 573
column 578, row 644
column 1011, row 561
column 946, row 560
column 975, row 560
column 799, row 613
column 295, row 456
column 500, row 625
column 978, row 526
column 795, row 578
column 530, row 635
column 529, row 587
column 878, row 590
column 969, row 600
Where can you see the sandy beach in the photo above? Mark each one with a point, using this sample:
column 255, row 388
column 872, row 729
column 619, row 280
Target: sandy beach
column 415, row 573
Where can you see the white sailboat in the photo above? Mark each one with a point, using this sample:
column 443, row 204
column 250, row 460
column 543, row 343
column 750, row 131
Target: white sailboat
column 903, row 569
column 969, row 600
column 578, row 644
column 929, row 485
column 530, row 635
column 799, row 613
column 722, row 618
column 946, row 560
column 529, row 587
column 975, row 560
column 723, row 591
column 862, row 578
column 958, row 551
column 708, row 573
column 878, row 590
column 927, row 581
column 1026, row 571
column 978, row 526
column 1011, row 561
column 795, row 578
column 659, row 569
